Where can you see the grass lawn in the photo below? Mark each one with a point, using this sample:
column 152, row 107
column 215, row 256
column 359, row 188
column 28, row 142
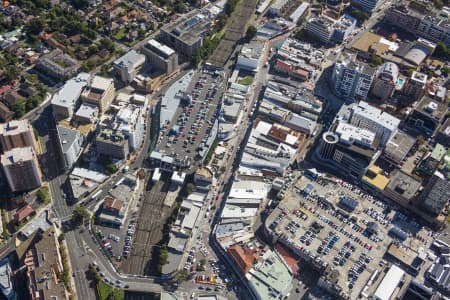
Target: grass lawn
column 105, row 290
column 247, row 80
column 120, row 34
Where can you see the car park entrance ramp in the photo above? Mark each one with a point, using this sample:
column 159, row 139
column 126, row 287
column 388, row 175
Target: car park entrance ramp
column 234, row 31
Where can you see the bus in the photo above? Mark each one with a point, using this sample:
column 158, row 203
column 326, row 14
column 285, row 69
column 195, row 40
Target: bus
column 94, row 197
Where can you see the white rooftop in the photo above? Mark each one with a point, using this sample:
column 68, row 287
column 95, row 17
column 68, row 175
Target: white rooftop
column 350, row 134
column 71, row 91
column 15, row 155
column 89, row 174
column 232, row 212
column 101, row 83
column 163, row 48
column 389, row 283
column 376, row 115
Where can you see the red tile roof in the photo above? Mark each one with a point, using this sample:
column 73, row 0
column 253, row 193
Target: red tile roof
column 22, row 213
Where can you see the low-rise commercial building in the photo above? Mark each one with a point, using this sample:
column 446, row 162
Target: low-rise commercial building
column 21, row 169
column 160, row 56
column 129, row 65
column 99, row 91
column 251, row 56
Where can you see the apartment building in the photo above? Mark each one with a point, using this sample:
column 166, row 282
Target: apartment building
column 160, row 56
column 17, row 134
column 373, row 119
column 352, row 79
column 44, row 268
column 21, row 169
column 385, row 82
column 427, row 115
column 415, row 86
column 58, row 64
column 320, row 28
column 421, row 19
column 99, row 91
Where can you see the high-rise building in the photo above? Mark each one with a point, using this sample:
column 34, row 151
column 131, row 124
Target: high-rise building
column 112, row 144
column 415, row 87
column 352, row 79
column 385, row 81
column 366, row 5
column 70, row 144
column 435, row 196
column 128, row 65
column 21, row 169
column 349, row 149
column 16, row 134
column 99, row 91
column 373, row 119
column 160, row 56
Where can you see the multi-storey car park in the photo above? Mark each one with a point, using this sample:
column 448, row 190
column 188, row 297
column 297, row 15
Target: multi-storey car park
column 346, row 235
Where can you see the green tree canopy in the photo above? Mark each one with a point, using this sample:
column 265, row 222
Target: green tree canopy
column 251, row 32
column 79, row 215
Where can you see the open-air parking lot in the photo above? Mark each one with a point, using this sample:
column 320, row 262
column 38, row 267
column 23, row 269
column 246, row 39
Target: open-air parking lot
column 188, row 132
column 344, row 227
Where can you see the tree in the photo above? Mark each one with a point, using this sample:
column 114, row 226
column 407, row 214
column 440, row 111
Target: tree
column 420, row 140
column 107, row 44
column 80, row 4
column 376, row 60
column 110, row 168
column 190, row 188
column 12, row 72
column 43, row 195
column 19, row 109
column 79, row 215
column 251, row 32
column 34, row 26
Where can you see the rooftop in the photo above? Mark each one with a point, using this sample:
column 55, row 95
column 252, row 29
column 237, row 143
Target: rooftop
column 376, row 115
column 352, row 134
column 189, row 28
column 15, row 127
column 399, row 145
column 87, row 111
column 272, row 279
column 16, row 155
column 375, row 177
column 67, row 137
column 159, row 48
column 70, row 92
column 403, row 184
column 431, row 108
column 101, row 83
column 6, row 279
column 89, row 174
column 131, row 59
